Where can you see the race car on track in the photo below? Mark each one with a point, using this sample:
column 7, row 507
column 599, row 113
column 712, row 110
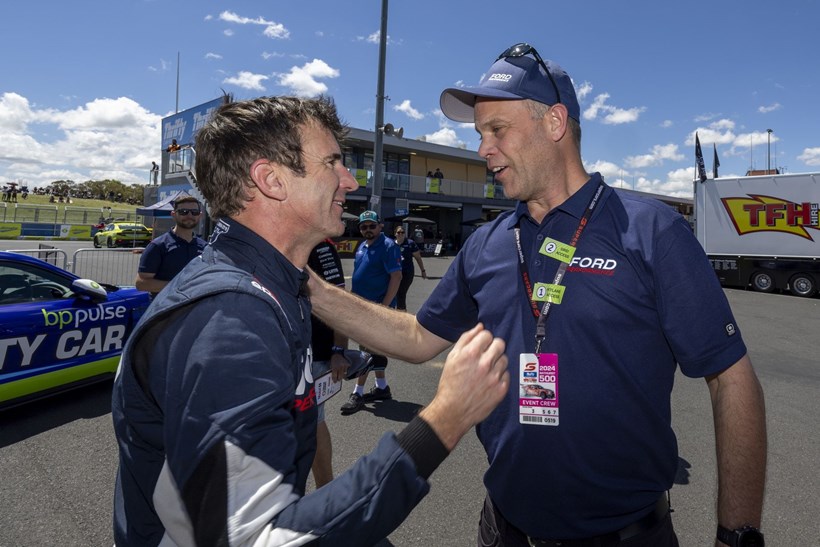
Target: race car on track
column 58, row 331
column 122, row 234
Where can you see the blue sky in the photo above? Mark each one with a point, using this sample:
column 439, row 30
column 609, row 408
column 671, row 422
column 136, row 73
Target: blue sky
column 84, row 84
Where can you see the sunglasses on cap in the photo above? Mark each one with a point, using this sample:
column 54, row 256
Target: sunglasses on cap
column 186, row 212
column 368, row 226
column 522, row 49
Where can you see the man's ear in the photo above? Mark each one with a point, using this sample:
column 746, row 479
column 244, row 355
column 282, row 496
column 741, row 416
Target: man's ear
column 268, row 178
column 558, row 118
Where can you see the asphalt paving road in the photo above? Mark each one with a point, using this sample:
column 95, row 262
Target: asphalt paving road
column 58, row 457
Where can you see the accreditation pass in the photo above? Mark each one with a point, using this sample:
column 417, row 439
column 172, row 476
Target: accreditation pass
column 538, row 389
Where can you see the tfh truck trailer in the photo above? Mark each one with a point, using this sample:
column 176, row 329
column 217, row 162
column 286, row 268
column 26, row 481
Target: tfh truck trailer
column 762, row 232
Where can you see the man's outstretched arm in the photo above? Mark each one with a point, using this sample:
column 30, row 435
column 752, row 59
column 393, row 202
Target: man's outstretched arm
column 382, row 329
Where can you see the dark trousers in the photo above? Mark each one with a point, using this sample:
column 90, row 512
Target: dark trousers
column 404, row 286
column 495, row 531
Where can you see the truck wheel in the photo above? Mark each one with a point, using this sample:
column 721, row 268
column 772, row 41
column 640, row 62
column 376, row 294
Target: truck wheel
column 803, row 285
column 762, row 282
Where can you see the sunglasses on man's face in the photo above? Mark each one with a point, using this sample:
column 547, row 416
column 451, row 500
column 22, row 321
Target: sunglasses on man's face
column 399, row 232
column 522, row 49
column 186, row 212
column 364, row 227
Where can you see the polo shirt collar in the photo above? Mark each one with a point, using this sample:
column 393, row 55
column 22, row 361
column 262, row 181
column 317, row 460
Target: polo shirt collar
column 575, row 205
column 379, row 241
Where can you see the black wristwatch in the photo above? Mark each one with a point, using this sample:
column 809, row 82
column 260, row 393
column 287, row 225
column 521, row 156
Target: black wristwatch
column 746, row 536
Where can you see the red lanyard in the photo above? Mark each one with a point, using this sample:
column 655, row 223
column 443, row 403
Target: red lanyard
column 541, row 316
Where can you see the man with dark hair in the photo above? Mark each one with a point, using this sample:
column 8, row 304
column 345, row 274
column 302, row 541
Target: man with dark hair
column 167, row 254
column 214, row 406
column 600, row 295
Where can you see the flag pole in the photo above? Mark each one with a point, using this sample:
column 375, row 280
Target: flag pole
column 176, row 111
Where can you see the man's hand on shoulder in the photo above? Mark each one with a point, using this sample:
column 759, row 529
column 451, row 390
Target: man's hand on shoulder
column 474, row 380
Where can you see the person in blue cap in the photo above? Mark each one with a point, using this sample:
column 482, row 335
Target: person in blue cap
column 376, row 277
column 600, row 295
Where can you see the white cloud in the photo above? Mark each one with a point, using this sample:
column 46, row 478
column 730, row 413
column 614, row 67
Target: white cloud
column 408, row 109
column 214, row 56
column 592, row 110
column 667, row 123
column 268, row 55
column 617, row 116
column 374, row 38
column 770, row 108
column 582, row 91
column 303, row 81
column 104, row 138
column 277, row 31
column 446, row 136
column 227, row 32
column 272, row 29
column 612, row 115
column 247, row 80
column 705, row 117
column 678, row 183
column 810, row 156
column 15, row 112
column 608, row 169
column 659, row 153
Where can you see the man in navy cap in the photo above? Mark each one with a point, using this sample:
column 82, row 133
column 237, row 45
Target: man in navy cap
column 600, row 295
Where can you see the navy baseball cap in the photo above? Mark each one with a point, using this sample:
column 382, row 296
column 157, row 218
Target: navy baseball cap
column 513, row 78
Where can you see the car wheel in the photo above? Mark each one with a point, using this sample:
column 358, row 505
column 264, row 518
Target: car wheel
column 803, row 285
column 762, row 282
column 543, row 395
column 96, row 243
column 110, row 243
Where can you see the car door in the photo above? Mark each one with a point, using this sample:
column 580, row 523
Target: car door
column 49, row 337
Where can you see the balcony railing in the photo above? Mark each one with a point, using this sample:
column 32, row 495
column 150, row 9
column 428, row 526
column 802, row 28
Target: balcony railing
column 427, row 185
column 180, row 161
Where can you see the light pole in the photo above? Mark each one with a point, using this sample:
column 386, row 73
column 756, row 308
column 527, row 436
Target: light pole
column 769, row 152
column 378, row 151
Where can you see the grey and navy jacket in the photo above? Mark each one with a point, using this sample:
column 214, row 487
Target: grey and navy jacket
column 215, row 417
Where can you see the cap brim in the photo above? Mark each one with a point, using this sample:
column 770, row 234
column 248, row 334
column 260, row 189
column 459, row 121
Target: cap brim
column 458, row 103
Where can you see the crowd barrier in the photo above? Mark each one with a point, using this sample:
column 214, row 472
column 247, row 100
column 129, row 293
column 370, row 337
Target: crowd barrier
column 107, row 266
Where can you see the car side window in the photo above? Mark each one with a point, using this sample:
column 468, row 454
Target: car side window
column 21, row 284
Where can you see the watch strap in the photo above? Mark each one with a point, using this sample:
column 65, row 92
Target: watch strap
column 745, row 536
column 724, row 535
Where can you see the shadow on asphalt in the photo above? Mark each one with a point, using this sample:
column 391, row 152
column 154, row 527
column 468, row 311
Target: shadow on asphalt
column 397, row 411
column 31, row 419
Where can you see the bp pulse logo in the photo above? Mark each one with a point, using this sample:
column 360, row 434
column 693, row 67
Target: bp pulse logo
column 74, row 318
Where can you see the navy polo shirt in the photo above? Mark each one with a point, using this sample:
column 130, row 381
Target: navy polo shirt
column 166, row 255
column 640, row 298
column 408, row 249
